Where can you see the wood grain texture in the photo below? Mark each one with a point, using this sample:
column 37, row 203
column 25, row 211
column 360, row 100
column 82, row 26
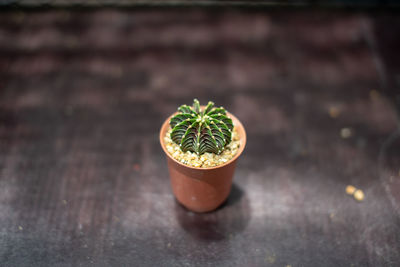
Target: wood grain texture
column 83, row 180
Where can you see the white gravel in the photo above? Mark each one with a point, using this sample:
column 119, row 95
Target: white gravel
column 207, row 159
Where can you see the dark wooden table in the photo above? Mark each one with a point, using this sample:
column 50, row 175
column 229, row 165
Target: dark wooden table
column 84, row 182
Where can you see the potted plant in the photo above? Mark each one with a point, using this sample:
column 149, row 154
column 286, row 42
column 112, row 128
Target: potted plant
column 202, row 145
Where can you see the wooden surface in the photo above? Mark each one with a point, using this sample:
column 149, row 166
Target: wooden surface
column 37, row 4
column 83, row 180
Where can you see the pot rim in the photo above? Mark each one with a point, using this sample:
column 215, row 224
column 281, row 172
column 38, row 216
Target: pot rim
column 242, row 137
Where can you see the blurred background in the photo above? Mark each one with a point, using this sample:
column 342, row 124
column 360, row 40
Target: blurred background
column 86, row 85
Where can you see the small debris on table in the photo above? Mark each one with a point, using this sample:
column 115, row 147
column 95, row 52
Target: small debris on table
column 358, row 194
column 346, row 133
column 270, row 257
column 20, row 228
column 334, row 112
column 350, row 189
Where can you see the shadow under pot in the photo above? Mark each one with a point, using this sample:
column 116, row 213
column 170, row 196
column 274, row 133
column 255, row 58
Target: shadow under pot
column 202, row 189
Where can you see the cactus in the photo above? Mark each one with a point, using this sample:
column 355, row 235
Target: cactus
column 200, row 131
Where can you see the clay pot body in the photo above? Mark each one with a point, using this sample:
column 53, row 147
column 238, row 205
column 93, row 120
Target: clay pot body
column 202, row 189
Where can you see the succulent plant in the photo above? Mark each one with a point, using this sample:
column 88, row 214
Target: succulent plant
column 200, row 131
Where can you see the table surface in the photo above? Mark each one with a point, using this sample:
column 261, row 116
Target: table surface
column 83, row 179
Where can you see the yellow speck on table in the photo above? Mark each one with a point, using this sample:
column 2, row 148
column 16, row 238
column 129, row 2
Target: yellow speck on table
column 334, row 112
column 346, row 133
column 358, row 194
column 350, row 189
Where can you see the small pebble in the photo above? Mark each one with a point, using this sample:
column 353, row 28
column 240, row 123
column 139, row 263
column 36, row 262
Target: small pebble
column 346, row 133
column 334, row 112
column 271, row 259
column 359, row 195
column 350, row 189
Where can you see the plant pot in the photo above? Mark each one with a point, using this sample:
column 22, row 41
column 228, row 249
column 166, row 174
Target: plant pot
column 202, row 189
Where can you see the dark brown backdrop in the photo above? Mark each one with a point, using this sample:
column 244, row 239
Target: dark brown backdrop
column 83, row 180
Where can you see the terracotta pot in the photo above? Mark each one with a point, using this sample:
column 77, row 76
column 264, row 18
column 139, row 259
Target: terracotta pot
column 202, row 189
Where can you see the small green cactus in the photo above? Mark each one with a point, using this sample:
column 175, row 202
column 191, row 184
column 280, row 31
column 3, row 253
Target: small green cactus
column 200, row 131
